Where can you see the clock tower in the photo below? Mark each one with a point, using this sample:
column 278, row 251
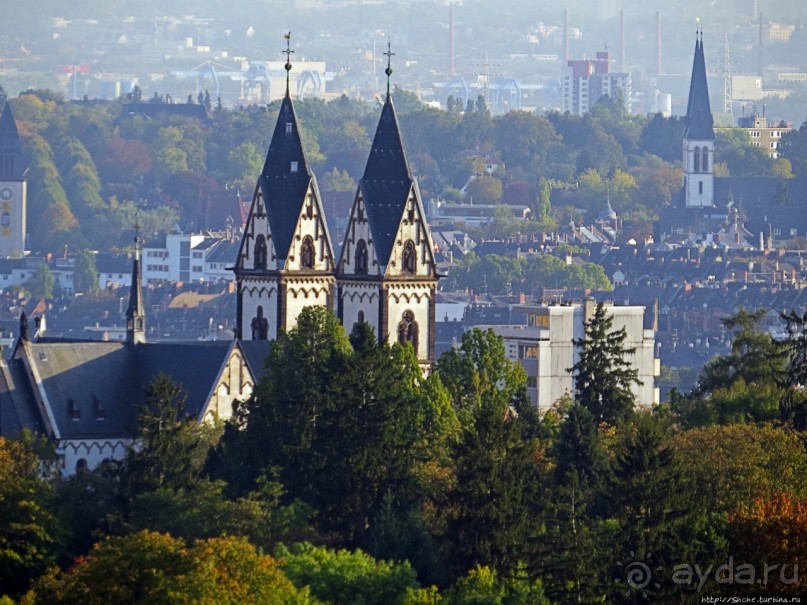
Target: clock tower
column 12, row 188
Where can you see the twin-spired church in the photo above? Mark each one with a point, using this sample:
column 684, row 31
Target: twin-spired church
column 84, row 395
column 385, row 274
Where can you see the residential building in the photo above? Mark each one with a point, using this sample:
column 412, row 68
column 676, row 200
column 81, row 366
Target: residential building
column 764, row 134
column 585, row 81
column 189, row 257
column 545, row 348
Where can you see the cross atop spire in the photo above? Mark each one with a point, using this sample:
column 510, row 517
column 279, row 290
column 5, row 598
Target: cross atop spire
column 288, row 52
column 389, row 54
column 136, row 314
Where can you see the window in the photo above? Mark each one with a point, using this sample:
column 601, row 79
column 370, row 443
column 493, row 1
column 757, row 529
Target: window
column 197, row 255
column 410, row 257
column 361, row 258
column 288, row 128
column 260, row 326
column 260, row 252
column 294, row 166
column 307, row 253
column 700, row 187
column 408, row 330
column 705, row 159
column 697, row 159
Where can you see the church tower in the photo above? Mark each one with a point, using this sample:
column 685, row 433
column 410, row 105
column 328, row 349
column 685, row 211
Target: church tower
column 13, row 188
column 285, row 262
column 136, row 312
column 699, row 137
column 386, row 272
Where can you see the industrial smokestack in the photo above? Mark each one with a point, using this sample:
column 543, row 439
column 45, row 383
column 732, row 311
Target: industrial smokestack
column 451, row 40
column 622, row 68
column 761, row 45
column 659, row 69
column 566, row 55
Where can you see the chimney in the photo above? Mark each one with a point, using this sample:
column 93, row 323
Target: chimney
column 622, row 68
column 566, row 55
column 659, row 69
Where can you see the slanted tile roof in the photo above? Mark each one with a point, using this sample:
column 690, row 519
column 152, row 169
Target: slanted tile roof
column 699, row 122
column 81, row 375
column 284, row 190
column 386, row 184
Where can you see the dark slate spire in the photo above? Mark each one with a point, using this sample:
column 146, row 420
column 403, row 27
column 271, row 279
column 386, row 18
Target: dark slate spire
column 699, row 122
column 11, row 160
column 386, row 183
column 285, row 179
column 136, row 313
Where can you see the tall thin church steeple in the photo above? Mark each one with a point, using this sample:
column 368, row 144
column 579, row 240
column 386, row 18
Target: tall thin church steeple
column 699, row 122
column 136, row 313
column 699, row 136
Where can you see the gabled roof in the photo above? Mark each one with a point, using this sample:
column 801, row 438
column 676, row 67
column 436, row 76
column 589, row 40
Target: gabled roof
column 81, row 376
column 386, row 184
column 699, row 122
column 282, row 189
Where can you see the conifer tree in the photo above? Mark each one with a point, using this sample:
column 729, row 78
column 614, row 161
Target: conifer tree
column 603, row 375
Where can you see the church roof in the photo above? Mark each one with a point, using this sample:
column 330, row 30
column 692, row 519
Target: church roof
column 80, row 378
column 10, row 144
column 699, row 122
column 285, row 179
column 386, row 183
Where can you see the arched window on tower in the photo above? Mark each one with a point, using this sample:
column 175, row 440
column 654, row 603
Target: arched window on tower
column 260, row 326
column 697, row 159
column 307, row 253
column 408, row 330
column 260, row 252
column 410, row 257
column 705, row 160
column 361, row 258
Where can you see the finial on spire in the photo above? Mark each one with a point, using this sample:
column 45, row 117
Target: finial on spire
column 288, row 52
column 388, row 71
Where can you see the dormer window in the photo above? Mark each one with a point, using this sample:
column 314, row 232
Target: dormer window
column 100, row 410
column 288, row 127
column 73, row 409
column 294, row 166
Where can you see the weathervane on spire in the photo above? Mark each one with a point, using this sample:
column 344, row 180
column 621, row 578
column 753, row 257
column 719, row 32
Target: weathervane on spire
column 288, row 52
column 388, row 71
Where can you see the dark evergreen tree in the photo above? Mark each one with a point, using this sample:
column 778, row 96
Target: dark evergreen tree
column 603, row 375
column 794, row 402
column 744, row 385
column 493, row 504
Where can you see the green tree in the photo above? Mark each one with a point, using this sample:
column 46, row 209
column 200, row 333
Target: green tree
column 485, row 190
column 743, row 385
column 794, row 403
column 342, row 576
column 31, row 532
column 492, row 506
column 484, row 586
column 85, row 273
column 43, row 283
column 148, row 567
column 603, row 374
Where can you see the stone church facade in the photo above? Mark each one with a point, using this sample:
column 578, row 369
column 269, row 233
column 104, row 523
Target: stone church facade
column 386, row 273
